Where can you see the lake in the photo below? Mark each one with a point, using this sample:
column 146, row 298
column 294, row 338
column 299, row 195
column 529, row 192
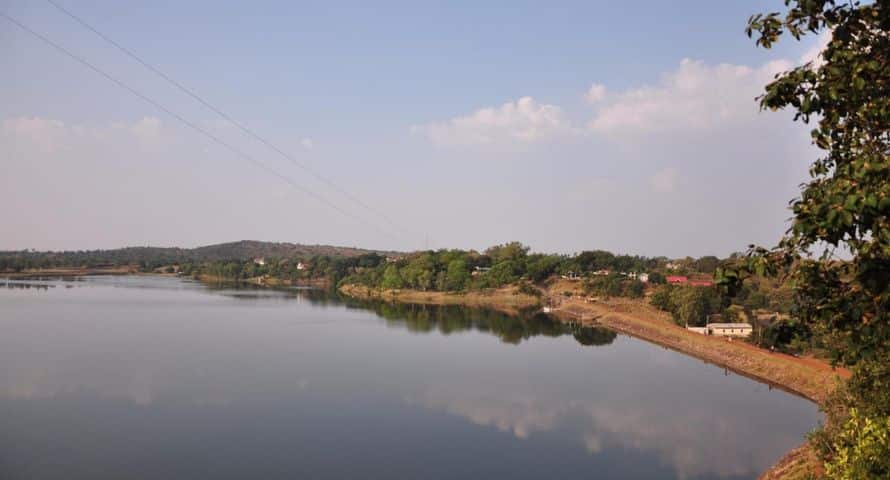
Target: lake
column 163, row 378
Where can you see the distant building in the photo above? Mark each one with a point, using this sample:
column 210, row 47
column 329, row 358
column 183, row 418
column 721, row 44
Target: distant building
column 480, row 271
column 259, row 261
column 571, row 276
column 677, row 280
column 724, row 329
column 602, row 273
column 730, row 329
column 302, row 266
column 701, row 281
column 643, row 277
column 672, row 266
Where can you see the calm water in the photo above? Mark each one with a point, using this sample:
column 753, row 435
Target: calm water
column 159, row 378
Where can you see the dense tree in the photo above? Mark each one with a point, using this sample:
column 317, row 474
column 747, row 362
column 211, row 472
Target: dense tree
column 513, row 251
column 391, row 277
column 707, row 264
column 844, row 206
column 692, row 305
column 457, row 275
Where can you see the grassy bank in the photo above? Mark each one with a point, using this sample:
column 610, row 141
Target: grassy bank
column 68, row 272
column 506, row 299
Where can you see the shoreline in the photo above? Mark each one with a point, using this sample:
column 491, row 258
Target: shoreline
column 809, row 378
column 507, row 299
column 68, row 272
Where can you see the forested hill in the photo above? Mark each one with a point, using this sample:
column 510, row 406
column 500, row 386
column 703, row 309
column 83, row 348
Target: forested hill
column 246, row 249
column 241, row 250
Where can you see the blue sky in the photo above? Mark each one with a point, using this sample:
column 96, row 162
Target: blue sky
column 569, row 126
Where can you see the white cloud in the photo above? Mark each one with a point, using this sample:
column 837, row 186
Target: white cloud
column 695, row 97
column 524, row 121
column 307, row 143
column 52, row 136
column 595, row 93
column 814, row 54
column 44, row 134
column 148, row 129
column 664, row 181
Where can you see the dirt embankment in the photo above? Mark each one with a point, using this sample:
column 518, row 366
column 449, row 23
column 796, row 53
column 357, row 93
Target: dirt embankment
column 507, row 299
column 809, row 377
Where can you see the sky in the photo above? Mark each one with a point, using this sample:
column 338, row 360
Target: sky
column 568, row 126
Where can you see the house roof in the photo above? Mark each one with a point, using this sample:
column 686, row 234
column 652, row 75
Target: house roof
column 730, row 325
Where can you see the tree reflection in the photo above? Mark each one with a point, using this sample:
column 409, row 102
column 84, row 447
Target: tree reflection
column 444, row 319
column 511, row 329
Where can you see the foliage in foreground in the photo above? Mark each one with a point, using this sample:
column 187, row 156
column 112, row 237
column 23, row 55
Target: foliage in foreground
column 845, row 206
column 860, row 449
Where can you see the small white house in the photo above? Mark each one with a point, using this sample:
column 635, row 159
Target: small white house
column 730, row 329
column 301, row 266
column 259, row 261
column 643, row 277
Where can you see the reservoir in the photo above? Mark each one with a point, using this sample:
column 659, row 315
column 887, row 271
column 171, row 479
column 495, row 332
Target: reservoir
column 142, row 377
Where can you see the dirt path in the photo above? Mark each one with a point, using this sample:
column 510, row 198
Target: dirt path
column 810, row 378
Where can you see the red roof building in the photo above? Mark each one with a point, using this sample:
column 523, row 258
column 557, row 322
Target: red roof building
column 677, row 280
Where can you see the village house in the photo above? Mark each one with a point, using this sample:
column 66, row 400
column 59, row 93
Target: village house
column 480, row 271
column 730, row 329
column 571, row 276
column 643, row 277
column 302, row 266
column 695, row 281
column 724, row 329
column 259, row 261
column 602, row 273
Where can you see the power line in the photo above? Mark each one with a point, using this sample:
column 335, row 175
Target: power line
column 194, row 126
column 224, row 115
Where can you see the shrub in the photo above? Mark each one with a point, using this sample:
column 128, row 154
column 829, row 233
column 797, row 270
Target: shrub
column 861, row 449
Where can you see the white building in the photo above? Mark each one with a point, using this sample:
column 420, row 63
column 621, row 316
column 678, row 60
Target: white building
column 643, row 277
column 730, row 329
column 259, row 261
column 724, row 329
column 301, row 266
column 571, row 276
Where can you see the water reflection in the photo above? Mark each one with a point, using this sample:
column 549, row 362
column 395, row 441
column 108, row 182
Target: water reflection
column 163, row 378
column 26, row 285
column 512, row 329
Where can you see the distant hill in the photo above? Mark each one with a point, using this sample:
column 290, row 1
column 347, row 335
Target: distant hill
column 241, row 250
column 252, row 249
